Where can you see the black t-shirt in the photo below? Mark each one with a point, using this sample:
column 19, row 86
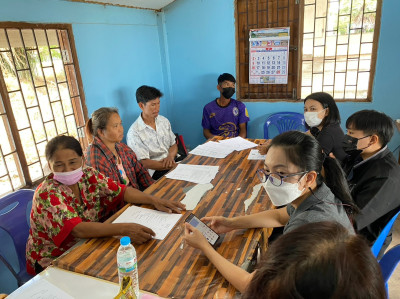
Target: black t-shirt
column 330, row 138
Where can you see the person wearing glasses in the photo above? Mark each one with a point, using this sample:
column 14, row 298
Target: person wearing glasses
column 297, row 174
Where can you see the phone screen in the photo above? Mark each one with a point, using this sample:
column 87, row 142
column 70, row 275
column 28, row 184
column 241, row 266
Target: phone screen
column 207, row 232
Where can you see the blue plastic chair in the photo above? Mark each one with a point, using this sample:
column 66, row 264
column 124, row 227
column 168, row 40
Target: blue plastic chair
column 14, row 225
column 376, row 248
column 284, row 121
column 389, row 263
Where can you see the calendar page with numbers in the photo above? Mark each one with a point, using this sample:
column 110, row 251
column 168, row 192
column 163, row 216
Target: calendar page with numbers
column 269, row 55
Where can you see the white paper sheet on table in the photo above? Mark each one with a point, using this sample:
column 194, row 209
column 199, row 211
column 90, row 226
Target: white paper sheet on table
column 200, row 174
column 254, row 194
column 255, row 155
column 160, row 222
column 238, row 143
column 212, row 149
column 194, row 195
column 43, row 290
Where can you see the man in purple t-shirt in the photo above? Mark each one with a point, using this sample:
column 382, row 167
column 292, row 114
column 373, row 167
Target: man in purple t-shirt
column 225, row 116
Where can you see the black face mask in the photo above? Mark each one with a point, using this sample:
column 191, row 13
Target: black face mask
column 349, row 145
column 228, row 92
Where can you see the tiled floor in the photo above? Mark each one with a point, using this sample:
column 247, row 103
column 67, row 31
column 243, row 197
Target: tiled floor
column 394, row 282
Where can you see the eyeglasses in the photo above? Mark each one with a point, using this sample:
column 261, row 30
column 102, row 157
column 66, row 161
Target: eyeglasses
column 275, row 178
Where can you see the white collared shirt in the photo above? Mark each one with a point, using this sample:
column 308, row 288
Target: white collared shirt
column 148, row 143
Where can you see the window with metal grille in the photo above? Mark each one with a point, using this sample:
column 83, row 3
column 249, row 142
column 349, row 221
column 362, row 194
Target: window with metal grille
column 339, row 46
column 41, row 97
column 337, row 42
column 253, row 14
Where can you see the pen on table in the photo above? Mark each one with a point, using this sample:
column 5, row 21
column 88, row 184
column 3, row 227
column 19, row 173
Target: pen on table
column 182, row 230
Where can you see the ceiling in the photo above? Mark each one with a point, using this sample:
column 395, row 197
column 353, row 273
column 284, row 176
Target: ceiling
column 148, row 4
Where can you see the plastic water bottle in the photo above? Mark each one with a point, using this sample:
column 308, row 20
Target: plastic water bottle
column 127, row 267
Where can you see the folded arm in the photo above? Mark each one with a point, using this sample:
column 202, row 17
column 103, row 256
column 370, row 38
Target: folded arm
column 243, row 130
column 138, row 233
column 164, row 164
column 207, row 134
column 136, row 196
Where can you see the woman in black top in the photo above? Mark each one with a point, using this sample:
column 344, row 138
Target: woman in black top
column 322, row 117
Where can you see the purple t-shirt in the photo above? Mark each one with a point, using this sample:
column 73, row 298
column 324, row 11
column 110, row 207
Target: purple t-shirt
column 224, row 121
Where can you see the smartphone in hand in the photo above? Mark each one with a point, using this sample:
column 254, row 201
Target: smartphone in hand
column 211, row 236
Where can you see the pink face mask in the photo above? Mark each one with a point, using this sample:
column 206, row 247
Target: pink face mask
column 69, row 178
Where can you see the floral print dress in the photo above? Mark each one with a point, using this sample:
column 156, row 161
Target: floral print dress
column 56, row 211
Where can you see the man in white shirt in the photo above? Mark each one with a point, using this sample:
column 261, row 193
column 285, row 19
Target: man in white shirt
column 151, row 136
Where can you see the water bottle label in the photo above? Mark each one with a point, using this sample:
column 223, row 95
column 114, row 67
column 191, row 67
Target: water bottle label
column 128, row 266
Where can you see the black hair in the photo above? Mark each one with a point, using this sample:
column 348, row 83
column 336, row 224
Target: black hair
column 318, row 260
column 98, row 121
column 305, row 152
column 327, row 101
column 372, row 122
column 62, row 142
column 226, row 77
column 146, row 93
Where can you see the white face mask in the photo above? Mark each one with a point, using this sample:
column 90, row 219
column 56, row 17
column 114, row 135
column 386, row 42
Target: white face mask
column 312, row 118
column 283, row 194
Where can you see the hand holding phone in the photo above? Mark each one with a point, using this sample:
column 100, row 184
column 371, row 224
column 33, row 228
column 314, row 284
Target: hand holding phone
column 211, row 236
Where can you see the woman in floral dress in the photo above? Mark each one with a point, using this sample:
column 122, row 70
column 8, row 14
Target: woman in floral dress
column 72, row 202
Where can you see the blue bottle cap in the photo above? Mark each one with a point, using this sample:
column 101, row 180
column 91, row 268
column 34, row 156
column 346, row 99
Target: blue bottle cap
column 125, row 241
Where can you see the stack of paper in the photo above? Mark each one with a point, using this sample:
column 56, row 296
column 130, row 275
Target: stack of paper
column 212, row 149
column 200, row 174
column 238, row 143
column 222, row 148
column 255, row 155
column 160, row 222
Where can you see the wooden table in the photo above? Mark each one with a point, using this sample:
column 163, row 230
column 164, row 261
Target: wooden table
column 164, row 268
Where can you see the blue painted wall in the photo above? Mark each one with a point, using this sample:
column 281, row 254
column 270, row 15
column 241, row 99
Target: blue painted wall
column 201, row 45
column 118, row 48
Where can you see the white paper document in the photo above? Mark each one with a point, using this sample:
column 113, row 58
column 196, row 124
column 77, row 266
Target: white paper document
column 200, row 174
column 222, row 148
column 194, row 195
column 42, row 289
column 212, row 149
column 160, row 222
column 255, row 155
column 238, row 143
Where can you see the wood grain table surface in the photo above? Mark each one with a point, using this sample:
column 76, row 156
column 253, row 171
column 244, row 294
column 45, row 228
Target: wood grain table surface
column 166, row 269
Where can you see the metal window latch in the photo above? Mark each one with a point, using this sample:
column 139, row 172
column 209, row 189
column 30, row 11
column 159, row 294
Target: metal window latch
column 81, row 133
column 65, row 56
column 294, row 94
